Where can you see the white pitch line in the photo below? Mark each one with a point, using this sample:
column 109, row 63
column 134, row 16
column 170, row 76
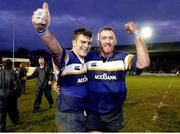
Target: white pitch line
column 170, row 84
column 156, row 115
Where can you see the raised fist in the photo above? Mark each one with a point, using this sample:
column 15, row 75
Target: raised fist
column 41, row 18
column 131, row 27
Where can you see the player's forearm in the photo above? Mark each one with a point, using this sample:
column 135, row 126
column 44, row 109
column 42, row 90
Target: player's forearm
column 52, row 44
column 41, row 20
column 143, row 60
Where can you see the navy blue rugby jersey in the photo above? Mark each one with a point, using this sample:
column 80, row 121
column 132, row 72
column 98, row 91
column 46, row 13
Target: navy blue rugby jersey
column 73, row 83
column 106, row 80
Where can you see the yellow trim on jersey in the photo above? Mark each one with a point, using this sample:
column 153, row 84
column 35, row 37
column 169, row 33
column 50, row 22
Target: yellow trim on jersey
column 105, row 69
column 117, row 65
column 129, row 61
column 71, row 69
column 73, row 73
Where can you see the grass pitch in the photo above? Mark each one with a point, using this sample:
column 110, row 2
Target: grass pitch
column 152, row 105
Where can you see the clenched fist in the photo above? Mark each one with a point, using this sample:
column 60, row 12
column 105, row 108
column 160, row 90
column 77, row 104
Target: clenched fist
column 131, row 27
column 41, row 18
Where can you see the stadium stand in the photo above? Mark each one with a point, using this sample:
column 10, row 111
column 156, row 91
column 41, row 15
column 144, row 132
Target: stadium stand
column 164, row 56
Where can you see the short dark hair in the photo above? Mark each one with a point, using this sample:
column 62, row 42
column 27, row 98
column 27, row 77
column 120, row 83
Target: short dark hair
column 84, row 31
column 8, row 64
column 104, row 29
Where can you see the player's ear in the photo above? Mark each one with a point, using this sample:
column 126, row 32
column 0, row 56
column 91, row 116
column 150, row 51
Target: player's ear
column 98, row 37
column 115, row 40
column 73, row 43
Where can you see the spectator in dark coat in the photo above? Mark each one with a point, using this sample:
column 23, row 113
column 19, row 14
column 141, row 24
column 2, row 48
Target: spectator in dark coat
column 44, row 76
column 22, row 77
column 9, row 93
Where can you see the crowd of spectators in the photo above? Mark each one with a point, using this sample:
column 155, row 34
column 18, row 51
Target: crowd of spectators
column 164, row 65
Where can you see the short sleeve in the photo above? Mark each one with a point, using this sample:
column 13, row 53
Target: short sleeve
column 63, row 60
column 130, row 64
column 133, row 66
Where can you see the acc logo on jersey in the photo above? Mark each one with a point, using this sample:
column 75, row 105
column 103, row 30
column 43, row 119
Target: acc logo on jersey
column 82, row 80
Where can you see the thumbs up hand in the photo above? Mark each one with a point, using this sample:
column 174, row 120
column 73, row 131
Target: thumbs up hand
column 41, row 18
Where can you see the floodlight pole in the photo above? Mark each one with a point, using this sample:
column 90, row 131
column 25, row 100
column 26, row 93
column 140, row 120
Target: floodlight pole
column 13, row 44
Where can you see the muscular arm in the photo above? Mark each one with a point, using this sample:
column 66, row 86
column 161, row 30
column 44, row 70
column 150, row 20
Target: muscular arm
column 143, row 60
column 52, row 45
column 41, row 20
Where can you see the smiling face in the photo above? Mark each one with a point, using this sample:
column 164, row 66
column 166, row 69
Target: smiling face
column 107, row 41
column 82, row 45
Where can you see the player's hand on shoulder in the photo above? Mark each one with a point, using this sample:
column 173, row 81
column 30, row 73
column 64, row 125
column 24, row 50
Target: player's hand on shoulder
column 56, row 88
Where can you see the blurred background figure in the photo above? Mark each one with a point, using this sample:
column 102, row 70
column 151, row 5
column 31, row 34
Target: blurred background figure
column 9, row 93
column 44, row 76
column 22, row 77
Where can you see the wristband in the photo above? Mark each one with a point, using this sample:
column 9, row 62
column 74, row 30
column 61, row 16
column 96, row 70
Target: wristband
column 42, row 31
column 137, row 35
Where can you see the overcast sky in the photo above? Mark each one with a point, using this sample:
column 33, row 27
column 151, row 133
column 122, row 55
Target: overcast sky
column 67, row 15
